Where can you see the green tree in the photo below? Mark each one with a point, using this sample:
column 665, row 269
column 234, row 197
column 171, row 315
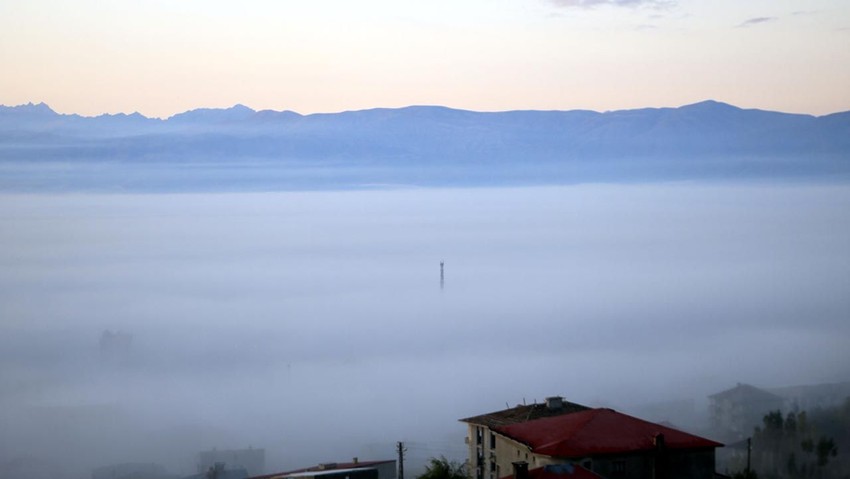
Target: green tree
column 442, row 468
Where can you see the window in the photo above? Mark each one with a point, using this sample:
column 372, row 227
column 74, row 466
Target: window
column 492, row 441
column 618, row 468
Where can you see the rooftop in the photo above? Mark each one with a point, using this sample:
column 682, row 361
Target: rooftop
column 598, row 431
column 523, row 413
column 746, row 392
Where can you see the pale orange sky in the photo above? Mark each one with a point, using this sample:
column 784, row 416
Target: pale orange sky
column 161, row 57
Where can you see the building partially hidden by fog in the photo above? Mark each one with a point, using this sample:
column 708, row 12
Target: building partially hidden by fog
column 356, row 469
column 131, row 470
column 253, row 461
column 812, row 396
column 736, row 411
column 560, row 437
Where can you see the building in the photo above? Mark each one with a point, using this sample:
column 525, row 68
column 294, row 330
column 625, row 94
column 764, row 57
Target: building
column 131, row 470
column 814, row 396
column 356, row 469
column 253, row 461
column 482, row 439
column 554, row 471
column 220, row 471
column 737, row 411
column 559, row 436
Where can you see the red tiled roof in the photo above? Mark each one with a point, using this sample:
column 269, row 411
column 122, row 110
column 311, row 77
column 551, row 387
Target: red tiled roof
column 560, row 471
column 598, row 431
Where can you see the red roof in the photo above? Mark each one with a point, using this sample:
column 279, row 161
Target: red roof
column 598, row 431
column 560, row 471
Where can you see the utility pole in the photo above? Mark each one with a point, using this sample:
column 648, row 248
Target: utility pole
column 749, row 453
column 401, row 450
column 442, row 276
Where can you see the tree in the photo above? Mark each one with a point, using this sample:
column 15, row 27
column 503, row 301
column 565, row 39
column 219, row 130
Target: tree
column 442, row 468
column 792, row 447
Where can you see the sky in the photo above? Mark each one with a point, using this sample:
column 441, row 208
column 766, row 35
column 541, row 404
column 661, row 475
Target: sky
column 161, row 57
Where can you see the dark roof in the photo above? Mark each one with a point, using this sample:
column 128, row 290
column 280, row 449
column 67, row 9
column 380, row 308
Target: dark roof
column 746, row 392
column 523, row 413
column 332, row 466
column 598, row 431
column 560, row 471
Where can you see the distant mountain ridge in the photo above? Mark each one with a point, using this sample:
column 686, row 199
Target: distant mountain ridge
column 240, row 148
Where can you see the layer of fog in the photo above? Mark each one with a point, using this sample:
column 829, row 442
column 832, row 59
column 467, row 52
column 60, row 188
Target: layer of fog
column 314, row 325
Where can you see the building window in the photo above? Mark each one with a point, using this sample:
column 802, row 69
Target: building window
column 479, row 474
column 479, row 436
column 492, row 441
column 618, row 468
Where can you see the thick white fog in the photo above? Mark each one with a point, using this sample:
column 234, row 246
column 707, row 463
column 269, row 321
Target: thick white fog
column 313, row 324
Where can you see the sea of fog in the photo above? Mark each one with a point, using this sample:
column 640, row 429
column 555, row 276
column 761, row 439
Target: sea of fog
column 314, row 324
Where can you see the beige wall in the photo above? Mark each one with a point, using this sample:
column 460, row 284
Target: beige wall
column 502, row 456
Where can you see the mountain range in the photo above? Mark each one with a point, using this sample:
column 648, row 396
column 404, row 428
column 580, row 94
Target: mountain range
column 239, row 148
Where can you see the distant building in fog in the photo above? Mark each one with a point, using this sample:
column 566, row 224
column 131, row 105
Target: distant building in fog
column 220, row 470
column 811, row 397
column 736, row 412
column 253, row 461
column 131, row 470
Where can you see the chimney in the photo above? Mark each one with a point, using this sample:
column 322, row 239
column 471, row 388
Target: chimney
column 554, row 402
column 355, row 461
column 520, row 470
column 659, row 442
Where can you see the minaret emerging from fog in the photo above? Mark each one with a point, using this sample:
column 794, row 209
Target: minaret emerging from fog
column 442, row 276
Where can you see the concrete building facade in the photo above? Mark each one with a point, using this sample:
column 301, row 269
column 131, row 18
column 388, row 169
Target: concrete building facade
column 602, row 441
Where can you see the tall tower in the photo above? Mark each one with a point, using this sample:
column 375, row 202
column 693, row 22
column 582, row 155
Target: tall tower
column 442, row 275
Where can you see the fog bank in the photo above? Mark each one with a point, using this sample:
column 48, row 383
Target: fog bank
column 314, row 324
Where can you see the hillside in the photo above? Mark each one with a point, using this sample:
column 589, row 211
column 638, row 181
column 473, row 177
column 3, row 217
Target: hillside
column 242, row 149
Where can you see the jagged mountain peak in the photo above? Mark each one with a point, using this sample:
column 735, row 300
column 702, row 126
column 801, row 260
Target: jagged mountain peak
column 40, row 108
column 234, row 113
